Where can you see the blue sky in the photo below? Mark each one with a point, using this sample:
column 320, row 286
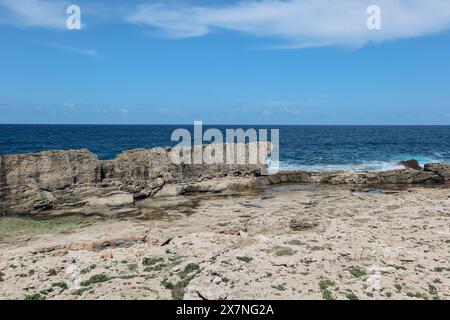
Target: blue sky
column 254, row 62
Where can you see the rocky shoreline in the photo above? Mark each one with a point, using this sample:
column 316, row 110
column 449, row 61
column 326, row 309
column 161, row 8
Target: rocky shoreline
column 76, row 181
column 155, row 230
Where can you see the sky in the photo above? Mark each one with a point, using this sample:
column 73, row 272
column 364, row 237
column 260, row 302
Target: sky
column 225, row 62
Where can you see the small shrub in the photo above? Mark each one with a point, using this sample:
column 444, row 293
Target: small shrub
column 245, row 259
column 356, row 272
column 95, row 279
column 34, row 296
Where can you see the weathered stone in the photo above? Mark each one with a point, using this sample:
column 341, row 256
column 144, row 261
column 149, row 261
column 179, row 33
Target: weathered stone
column 442, row 170
column 411, row 164
column 62, row 182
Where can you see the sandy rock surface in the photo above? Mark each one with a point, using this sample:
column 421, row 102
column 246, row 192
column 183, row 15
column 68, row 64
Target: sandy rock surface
column 285, row 242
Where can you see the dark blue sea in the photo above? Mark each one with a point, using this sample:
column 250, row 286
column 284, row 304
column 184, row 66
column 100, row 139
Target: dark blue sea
column 312, row 148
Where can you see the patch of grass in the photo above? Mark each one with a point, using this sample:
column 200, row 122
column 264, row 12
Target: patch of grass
column 388, row 294
column 327, row 295
column 357, row 272
column 324, row 284
column 280, row 251
column 1, row 276
column 279, row 287
column 61, row 285
column 437, row 280
column 167, row 284
column 158, row 264
column 88, row 269
column 98, row 278
column 432, row 290
column 151, row 261
column 34, row 296
column 245, row 259
column 416, row 294
column 225, row 279
column 350, row 295
column 157, row 267
column 438, row 269
column 398, row 287
column 190, row 267
column 80, row 291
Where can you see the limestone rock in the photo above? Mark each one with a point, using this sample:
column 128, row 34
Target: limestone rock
column 442, row 170
column 411, row 164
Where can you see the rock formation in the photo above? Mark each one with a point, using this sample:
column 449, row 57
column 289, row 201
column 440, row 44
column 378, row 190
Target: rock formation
column 75, row 181
column 411, row 164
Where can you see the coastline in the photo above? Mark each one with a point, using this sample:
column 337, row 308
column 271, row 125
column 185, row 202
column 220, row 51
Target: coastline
column 207, row 233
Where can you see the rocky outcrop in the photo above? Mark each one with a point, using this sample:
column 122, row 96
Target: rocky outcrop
column 35, row 182
column 77, row 182
column 391, row 177
column 411, row 164
column 62, row 182
column 442, row 170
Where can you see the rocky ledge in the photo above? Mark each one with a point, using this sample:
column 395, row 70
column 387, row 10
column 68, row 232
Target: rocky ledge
column 76, row 181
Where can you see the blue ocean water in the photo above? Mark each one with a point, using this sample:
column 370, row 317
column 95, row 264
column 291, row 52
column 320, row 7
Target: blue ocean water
column 311, row 148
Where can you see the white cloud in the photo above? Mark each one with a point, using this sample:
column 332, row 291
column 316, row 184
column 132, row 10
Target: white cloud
column 85, row 52
column 299, row 23
column 34, row 13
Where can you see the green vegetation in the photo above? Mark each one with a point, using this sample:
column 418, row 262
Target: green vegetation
column 326, row 295
column 167, row 284
column 323, row 285
column 225, row 279
column 281, row 251
column 245, row 259
column 416, row 294
column 357, row 272
column 88, row 269
column 350, row 295
column 190, row 267
column 61, row 285
column 95, row 279
column 432, row 290
column 190, row 272
column 279, row 287
column 151, row 261
column 398, row 287
column 158, row 264
column 80, row 291
column 34, row 296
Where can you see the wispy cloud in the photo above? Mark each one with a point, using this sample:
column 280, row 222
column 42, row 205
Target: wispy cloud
column 85, row 52
column 34, row 13
column 299, row 23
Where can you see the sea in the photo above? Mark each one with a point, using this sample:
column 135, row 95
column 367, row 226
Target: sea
column 310, row 148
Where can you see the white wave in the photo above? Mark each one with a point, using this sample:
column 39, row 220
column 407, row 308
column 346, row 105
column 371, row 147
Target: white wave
column 292, row 165
column 369, row 166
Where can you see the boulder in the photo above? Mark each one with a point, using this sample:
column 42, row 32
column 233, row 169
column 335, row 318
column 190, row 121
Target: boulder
column 411, row 164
